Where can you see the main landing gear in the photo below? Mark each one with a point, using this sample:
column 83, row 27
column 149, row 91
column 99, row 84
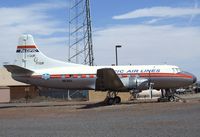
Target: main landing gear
column 112, row 98
column 167, row 95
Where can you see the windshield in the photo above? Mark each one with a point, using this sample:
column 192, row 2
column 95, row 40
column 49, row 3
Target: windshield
column 176, row 70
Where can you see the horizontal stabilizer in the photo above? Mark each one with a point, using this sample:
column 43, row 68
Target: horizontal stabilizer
column 107, row 79
column 17, row 70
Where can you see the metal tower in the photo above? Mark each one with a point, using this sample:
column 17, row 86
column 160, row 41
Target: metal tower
column 80, row 33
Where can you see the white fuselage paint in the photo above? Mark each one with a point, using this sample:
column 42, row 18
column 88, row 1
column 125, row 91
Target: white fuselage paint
column 163, row 76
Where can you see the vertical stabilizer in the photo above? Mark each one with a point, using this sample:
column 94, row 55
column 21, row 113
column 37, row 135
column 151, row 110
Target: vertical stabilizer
column 30, row 57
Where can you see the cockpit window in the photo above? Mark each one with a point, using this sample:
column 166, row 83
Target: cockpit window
column 176, row 70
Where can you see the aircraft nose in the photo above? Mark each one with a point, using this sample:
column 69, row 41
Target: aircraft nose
column 194, row 78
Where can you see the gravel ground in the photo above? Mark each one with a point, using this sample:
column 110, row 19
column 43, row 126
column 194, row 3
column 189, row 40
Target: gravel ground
column 77, row 120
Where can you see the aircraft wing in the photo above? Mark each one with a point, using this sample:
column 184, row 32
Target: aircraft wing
column 107, row 79
column 17, row 69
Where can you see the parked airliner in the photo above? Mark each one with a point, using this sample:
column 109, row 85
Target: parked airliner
column 31, row 66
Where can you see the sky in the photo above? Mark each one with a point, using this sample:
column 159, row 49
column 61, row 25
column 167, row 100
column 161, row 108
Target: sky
column 150, row 31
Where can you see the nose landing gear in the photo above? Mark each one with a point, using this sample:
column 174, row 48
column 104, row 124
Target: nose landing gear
column 167, row 95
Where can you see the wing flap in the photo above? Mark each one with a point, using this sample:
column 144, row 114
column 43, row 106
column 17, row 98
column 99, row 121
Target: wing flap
column 107, row 79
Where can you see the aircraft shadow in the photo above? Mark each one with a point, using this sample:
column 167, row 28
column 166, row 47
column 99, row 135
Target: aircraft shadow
column 94, row 105
column 36, row 106
column 87, row 106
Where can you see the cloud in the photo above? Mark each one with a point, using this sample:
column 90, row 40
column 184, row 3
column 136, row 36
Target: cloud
column 153, row 21
column 193, row 15
column 146, row 44
column 141, row 44
column 159, row 12
column 35, row 19
column 31, row 18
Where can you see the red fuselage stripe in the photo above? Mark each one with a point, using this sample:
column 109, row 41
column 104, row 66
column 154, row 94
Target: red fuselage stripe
column 26, row 47
column 56, row 76
column 178, row 75
column 83, row 76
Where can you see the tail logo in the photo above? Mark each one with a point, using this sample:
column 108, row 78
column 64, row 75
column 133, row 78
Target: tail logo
column 27, row 48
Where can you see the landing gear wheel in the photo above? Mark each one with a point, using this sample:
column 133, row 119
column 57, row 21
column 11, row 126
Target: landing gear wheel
column 117, row 99
column 110, row 101
column 171, row 99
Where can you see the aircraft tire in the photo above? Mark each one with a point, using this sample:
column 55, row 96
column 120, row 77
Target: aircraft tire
column 117, row 100
column 110, row 101
column 171, row 99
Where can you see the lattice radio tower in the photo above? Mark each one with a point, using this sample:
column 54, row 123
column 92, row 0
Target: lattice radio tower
column 80, row 33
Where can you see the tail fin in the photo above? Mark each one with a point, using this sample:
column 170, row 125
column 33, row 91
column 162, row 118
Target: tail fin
column 30, row 57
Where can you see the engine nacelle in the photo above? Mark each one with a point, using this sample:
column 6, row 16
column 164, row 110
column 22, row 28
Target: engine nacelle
column 135, row 83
